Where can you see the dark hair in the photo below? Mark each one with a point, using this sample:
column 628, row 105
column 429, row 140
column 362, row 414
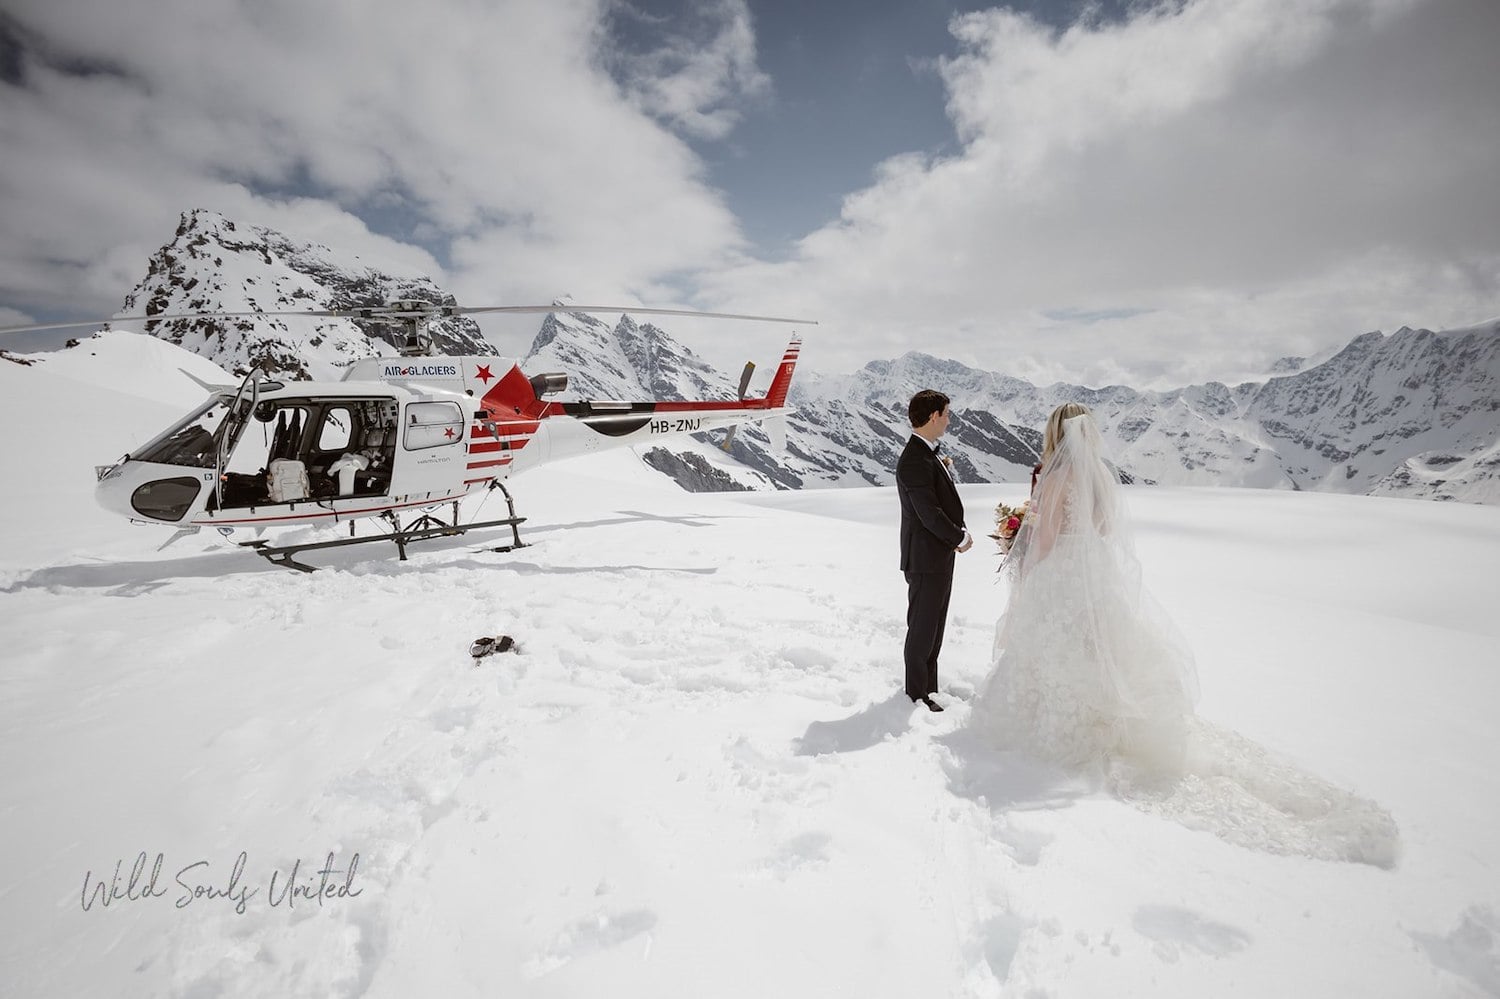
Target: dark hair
column 924, row 404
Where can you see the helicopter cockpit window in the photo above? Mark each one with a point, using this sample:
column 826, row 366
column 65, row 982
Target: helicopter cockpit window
column 192, row 441
column 433, row 424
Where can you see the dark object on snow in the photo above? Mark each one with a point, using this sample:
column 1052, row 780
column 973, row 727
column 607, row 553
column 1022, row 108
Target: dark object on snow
column 488, row 646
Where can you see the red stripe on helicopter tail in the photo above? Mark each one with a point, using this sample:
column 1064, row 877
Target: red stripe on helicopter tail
column 776, row 395
column 475, row 482
column 494, row 463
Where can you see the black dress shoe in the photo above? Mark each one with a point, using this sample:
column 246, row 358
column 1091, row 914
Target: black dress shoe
column 931, row 704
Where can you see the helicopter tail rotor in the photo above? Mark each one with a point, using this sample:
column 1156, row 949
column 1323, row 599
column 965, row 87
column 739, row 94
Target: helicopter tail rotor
column 744, row 388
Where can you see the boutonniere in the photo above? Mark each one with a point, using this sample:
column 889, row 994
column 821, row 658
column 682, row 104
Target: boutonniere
column 947, row 461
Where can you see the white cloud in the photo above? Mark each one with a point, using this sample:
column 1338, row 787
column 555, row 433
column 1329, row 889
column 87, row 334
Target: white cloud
column 490, row 125
column 700, row 72
column 1251, row 177
column 1192, row 193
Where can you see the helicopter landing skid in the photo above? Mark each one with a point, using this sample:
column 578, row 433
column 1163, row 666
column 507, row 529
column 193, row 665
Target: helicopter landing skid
column 423, row 528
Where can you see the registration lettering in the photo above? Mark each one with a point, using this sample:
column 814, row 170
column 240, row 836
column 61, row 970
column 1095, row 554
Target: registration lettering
column 683, row 426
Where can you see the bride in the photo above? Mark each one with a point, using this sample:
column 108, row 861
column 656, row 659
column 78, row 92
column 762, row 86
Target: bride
column 1090, row 673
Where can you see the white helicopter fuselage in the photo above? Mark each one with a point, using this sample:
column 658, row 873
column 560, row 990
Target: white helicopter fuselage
column 398, row 434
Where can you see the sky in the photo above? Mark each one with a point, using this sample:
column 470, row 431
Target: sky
column 1153, row 193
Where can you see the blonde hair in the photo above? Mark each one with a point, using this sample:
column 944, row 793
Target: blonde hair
column 1052, row 436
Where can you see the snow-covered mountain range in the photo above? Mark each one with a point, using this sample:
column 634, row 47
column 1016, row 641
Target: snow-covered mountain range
column 1414, row 413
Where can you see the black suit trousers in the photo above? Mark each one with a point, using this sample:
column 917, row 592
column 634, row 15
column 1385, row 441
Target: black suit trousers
column 927, row 596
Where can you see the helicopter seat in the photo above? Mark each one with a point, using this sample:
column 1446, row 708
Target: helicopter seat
column 288, row 480
column 377, row 445
column 346, row 468
column 377, row 439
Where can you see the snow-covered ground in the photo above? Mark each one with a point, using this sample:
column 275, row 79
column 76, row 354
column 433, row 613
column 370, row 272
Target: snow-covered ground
column 697, row 776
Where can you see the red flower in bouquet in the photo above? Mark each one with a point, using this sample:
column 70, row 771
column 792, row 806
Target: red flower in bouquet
column 1008, row 521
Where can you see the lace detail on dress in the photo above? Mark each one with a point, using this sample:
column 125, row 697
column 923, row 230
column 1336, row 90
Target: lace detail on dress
column 1242, row 793
column 1083, row 671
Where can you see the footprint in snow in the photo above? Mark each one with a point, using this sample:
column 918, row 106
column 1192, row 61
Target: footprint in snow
column 598, row 932
column 1176, row 931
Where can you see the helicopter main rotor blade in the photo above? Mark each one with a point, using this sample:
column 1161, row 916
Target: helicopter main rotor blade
column 164, row 316
column 687, row 313
column 398, row 314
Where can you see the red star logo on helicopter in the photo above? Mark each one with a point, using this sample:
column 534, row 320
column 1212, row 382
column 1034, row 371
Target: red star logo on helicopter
column 484, row 374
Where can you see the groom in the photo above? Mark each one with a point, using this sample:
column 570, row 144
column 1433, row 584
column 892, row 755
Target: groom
column 932, row 531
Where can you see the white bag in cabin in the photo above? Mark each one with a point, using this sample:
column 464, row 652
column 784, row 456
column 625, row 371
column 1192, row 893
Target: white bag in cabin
column 288, row 480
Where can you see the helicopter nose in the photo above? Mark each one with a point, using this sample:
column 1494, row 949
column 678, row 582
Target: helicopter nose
column 110, row 492
column 147, row 491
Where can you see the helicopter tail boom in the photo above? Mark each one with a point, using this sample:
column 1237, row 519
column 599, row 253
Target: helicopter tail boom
column 527, row 430
column 775, row 397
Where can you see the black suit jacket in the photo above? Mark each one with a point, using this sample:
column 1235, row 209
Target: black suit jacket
column 932, row 515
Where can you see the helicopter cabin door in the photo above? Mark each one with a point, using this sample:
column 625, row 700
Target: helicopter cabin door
column 431, row 456
column 332, row 454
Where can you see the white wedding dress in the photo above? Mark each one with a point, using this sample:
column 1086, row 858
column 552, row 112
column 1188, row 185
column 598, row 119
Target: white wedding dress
column 1091, row 674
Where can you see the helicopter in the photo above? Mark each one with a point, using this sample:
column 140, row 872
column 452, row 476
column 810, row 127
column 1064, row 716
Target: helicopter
column 401, row 439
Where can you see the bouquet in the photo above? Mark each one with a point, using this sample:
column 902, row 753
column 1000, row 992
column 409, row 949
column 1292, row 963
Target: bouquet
column 1008, row 521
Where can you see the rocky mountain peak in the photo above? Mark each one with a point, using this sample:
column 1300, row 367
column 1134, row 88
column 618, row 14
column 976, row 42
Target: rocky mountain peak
column 627, row 360
column 214, row 264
